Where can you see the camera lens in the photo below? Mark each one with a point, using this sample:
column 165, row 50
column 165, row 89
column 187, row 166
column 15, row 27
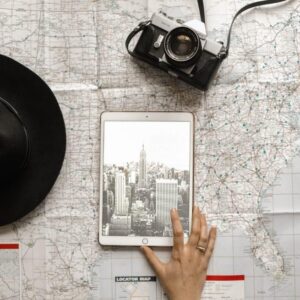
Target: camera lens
column 182, row 47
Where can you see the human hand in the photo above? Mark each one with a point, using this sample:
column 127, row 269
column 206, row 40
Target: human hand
column 183, row 277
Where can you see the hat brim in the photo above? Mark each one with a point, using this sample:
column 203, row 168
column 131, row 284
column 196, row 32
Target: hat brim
column 40, row 112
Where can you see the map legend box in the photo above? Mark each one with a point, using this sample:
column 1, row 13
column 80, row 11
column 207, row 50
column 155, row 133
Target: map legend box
column 10, row 266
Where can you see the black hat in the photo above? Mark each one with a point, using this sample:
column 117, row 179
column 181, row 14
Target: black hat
column 32, row 140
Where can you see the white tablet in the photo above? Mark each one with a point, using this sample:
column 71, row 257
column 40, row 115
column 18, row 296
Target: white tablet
column 146, row 169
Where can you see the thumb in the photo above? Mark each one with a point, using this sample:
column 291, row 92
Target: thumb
column 153, row 260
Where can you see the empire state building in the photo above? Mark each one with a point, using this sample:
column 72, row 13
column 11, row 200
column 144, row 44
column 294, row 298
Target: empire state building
column 142, row 169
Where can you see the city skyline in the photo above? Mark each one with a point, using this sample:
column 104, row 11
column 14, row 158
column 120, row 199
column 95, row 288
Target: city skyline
column 132, row 207
column 164, row 142
column 140, row 188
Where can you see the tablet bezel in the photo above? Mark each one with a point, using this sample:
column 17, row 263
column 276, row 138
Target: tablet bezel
column 144, row 116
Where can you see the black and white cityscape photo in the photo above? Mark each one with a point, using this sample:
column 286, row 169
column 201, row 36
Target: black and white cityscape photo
column 145, row 174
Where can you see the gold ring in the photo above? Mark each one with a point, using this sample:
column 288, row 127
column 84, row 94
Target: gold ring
column 201, row 249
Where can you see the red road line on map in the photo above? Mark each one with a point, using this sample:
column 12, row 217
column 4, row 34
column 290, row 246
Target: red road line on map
column 225, row 277
column 9, row 246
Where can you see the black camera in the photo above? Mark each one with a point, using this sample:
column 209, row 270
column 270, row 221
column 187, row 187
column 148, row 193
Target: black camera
column 179, row 48
column 182, row 48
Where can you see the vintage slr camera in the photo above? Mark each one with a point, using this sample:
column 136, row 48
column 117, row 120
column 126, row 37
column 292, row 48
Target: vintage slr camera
column 179, row 48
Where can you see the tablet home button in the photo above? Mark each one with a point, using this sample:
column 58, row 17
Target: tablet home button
column 145, row 241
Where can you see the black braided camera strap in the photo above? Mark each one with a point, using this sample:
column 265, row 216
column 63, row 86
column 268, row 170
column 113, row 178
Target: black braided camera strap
column 143, row 25
column 244, row 8
column 202, row 10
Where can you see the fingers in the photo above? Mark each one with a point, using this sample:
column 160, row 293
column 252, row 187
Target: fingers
column 211, row 242
column 177, row 230
column 153, row 260
column 196, row 223
column 203, row 232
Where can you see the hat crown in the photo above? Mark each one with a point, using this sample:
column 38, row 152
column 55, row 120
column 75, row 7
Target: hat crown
column 13, row 142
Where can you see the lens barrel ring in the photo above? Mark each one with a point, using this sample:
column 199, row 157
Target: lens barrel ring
column 182, row 47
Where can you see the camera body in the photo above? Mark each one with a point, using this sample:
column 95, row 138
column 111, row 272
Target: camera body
column 180, row 48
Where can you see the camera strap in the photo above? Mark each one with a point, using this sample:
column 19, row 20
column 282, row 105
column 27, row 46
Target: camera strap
column 143, row 25
column 244, row 8
column 202, row 10
column 133, row 33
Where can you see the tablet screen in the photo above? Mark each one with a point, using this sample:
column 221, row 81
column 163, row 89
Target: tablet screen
column 146, row 173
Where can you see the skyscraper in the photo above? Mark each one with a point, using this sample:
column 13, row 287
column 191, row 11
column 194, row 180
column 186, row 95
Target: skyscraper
column 132, row 177
column 166, row 198
column 143, row 169
column 105, row 182
column 121, row 202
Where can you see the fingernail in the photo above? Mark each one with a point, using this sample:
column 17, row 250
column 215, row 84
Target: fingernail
column 173, row 210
